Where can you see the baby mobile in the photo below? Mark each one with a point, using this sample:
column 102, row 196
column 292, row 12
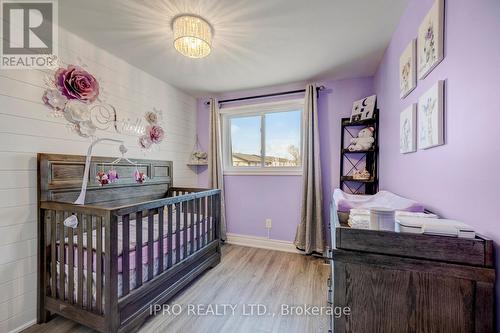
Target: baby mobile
column 74, row 94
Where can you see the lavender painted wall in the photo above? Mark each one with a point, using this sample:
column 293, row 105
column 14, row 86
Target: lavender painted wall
column 458, row 180
column 252, row 199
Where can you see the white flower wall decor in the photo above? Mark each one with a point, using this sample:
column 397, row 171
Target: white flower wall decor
column 431, row 117
column 408, row 130
column 430, row 42
column 75, row 94
column 408, row 69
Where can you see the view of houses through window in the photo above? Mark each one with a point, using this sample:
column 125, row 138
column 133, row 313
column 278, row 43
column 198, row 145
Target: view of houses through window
column 266, row 140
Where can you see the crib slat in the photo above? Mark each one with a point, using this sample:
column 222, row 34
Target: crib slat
column 198, row 222
column 53, row 260
column 177, row 232
column 184, row 229
column 160, row 240
column 126, row 254
column 98, row 269
column 150, row 244
column 43, row 270
column 216, row 214
column 138, row 249
column 203, row 221
column 209, row 219
column 79, row 299
column 71, row 267
column 59, row 221
column 191, row 226
column 89, row 261
column 169, row 236
column 57, row 251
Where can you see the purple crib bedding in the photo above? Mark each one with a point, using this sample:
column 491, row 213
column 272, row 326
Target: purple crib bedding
column 132, row 278
column 133, row 243
column 345, row 202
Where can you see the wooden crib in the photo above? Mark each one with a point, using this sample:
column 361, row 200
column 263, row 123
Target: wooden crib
column 135, row 244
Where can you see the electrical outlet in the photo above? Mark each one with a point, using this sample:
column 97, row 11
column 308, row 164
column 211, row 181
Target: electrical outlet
column 269, row 223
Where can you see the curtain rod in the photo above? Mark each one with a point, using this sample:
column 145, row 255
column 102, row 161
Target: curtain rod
column 291, row 92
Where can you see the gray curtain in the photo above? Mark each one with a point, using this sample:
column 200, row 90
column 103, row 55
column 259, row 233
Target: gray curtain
column 215, row 176
column 310, row 235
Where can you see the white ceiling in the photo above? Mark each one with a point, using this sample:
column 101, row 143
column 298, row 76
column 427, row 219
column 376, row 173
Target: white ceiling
column 257, row 43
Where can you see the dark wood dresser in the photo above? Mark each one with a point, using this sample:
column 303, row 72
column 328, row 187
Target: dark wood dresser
column 400, row 282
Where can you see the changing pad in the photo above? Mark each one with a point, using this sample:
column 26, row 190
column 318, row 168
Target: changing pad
column 345, row 202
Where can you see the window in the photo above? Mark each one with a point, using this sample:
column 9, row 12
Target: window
column 263, row 138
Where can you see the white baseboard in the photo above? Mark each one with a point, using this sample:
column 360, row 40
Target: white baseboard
column 261, row 242
column 24, row 326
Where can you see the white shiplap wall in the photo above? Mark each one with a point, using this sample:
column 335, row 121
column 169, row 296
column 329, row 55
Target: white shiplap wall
column 26, row 129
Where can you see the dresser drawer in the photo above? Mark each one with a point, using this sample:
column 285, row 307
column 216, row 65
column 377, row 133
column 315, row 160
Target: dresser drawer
column 475, row 252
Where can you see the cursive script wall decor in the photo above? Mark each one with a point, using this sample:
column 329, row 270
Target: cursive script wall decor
column 76, row 95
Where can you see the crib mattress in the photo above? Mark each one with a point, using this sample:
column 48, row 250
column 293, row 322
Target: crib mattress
column 132, row 252
column 132, row 277
column 133, row 241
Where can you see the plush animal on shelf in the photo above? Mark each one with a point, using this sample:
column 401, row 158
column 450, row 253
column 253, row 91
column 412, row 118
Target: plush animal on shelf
column 364, row 141
column 361, row 175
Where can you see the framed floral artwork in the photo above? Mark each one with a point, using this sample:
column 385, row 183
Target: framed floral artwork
column 408, row 69
column 408, row 130
column 431, row 117
column 430, row 42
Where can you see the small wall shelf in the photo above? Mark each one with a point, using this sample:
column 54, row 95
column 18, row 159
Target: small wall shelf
column 351, row 179
column 346, row 122
column 197, row 159
column 197, row 164
column 351, row 161
column 347, row 151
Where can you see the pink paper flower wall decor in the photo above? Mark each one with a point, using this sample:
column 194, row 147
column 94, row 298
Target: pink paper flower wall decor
column 76, row 83
column 75, row 94
column 145, row 142
column 154, row 132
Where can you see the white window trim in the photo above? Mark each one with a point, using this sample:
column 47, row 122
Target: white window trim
column 255, row 110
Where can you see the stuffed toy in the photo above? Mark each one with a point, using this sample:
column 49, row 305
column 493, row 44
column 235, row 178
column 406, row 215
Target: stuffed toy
column 113, row 176
column 102, row 178
column 140, row 177
column 361, row 175
column 364, row 141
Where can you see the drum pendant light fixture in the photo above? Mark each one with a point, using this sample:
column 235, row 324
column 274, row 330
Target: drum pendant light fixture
column 192, row 36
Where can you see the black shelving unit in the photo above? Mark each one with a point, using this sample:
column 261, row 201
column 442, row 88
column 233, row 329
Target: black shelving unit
column 358, row 159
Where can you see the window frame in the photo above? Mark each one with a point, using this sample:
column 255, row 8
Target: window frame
column 260, row 109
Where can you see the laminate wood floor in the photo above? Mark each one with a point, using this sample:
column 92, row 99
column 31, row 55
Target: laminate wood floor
column 244, row 277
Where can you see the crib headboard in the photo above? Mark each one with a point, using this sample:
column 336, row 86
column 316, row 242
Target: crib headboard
column 60, row 179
